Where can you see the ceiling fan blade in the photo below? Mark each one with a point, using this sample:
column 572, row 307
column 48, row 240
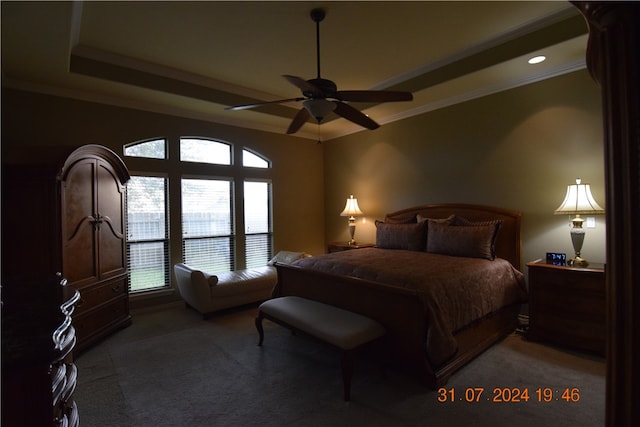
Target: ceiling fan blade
column 374, row 96
column 301, row 118
column 258, row 104
column 307, row 88
column 356, row 116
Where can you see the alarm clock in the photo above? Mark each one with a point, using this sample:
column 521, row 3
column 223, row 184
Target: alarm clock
column 556, row 258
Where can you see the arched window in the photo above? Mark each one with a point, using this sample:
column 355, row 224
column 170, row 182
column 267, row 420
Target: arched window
column 151, row 149
column 225, row 215
column 201, row 150
column 253, row 160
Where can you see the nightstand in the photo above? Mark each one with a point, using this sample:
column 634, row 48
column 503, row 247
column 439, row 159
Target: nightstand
column 344, row 246
column 567, row 305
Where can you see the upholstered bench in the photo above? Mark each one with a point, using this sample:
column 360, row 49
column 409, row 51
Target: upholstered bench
column 332, row 325
column 208, row 293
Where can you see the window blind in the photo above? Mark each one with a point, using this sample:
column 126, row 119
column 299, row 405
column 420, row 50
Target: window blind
column 257, row 222
column 147, row 233
column 207, row 224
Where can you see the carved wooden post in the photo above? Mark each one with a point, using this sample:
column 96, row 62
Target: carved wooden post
column 613, row 58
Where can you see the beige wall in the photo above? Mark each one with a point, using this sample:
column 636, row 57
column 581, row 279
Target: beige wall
column 517, row 149
column 37, row 128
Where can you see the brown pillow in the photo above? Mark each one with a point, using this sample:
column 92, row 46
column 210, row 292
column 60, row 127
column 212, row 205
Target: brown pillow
column 497, row 223
column 410, row 219
column 401, row 236
column 444, row 221
column 447, row 221
column 458, row 220
column 474, row 241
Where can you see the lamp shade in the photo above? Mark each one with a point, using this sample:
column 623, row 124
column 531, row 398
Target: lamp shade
column 579, row 201
column 351, row 208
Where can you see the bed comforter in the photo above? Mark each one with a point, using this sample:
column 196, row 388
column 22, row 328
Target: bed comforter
column 455, row 291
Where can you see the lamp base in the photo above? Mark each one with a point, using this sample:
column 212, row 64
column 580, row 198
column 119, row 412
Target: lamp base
column 352, row 231
column 578, row 262
column 577, row 238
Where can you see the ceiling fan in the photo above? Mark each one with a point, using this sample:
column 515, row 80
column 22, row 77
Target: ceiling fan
column 321, row 96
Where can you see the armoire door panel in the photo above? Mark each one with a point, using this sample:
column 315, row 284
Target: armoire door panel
column 112, row 251
column 80, row 255
column 79, row 243
column 110, row 199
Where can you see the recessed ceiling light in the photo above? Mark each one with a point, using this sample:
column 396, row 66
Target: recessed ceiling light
column 537, row 59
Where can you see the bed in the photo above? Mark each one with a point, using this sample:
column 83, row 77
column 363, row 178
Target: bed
column 443, row 280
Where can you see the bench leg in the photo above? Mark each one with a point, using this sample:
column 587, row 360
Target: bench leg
column 347, row 371
column 259, row 318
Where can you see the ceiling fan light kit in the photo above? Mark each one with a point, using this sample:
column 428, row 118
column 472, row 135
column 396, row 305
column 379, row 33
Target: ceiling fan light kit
column 321, row 96
column 319, row 108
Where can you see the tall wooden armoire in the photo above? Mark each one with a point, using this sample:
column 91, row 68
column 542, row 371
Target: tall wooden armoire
column 93, row 240
column 68, row 215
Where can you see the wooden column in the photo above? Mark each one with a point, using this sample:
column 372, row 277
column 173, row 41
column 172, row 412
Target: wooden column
column 613, row 58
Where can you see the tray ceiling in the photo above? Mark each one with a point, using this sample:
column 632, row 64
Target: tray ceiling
column 193, row 59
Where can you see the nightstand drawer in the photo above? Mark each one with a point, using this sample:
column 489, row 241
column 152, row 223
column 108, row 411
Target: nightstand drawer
column 567, row 306
column 574, row 302
column 573, row 306
column 568, row 280
column 576, row 333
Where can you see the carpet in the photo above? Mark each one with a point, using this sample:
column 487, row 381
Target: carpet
column 171, row 368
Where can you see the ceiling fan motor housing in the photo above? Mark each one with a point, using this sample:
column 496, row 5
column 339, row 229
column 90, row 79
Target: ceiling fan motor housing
column 327, row 87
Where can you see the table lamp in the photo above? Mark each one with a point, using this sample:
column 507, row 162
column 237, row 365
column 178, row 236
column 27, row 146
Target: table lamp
column 351, row 209
column 578, row 201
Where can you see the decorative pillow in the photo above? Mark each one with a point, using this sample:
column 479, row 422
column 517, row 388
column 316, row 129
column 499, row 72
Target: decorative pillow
column 458, row 220
column 474, row 241
column 407, row 220
column 497, row 223
column 286, row 257
column 446, row 221
column 401, row 236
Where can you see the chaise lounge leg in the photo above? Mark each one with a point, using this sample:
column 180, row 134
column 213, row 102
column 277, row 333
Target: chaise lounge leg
column 259, row 318
column 347, row 371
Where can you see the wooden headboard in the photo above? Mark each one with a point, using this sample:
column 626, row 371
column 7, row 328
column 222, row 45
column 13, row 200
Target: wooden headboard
column 508, row 243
